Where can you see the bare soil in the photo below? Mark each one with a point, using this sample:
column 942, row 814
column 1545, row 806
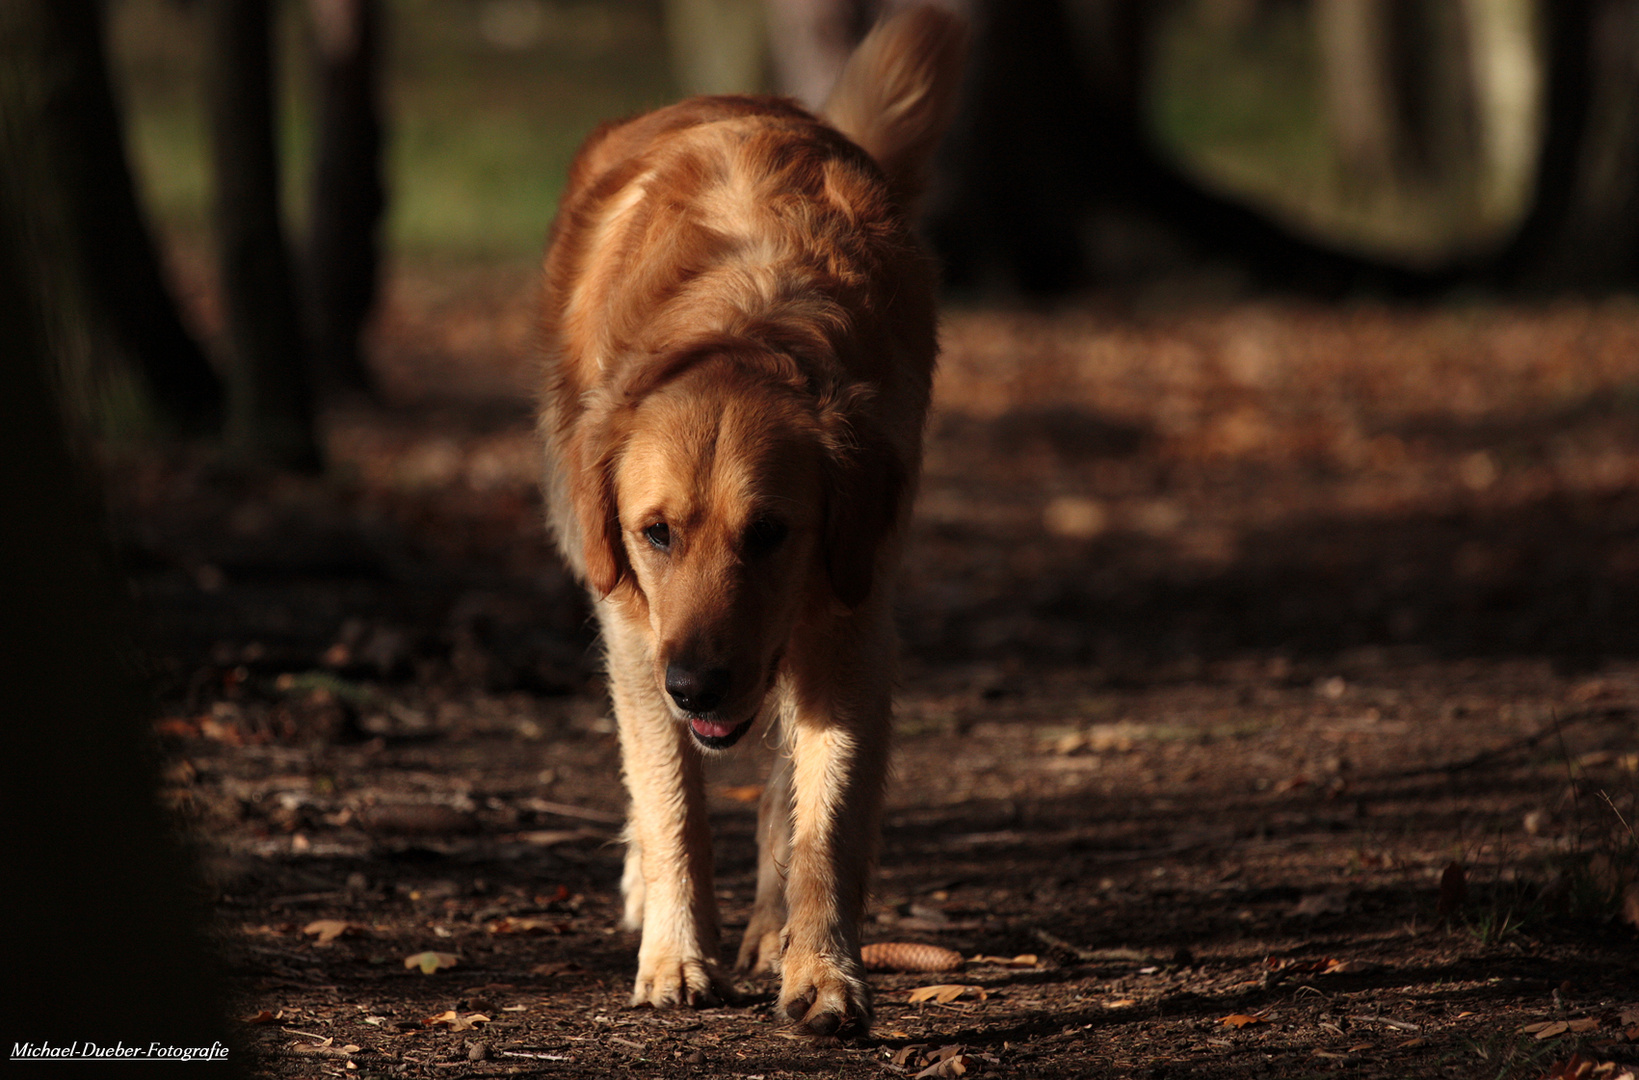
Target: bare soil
column 1270, row 676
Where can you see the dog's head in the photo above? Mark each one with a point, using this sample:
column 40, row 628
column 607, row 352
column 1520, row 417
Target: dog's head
column 720, row 508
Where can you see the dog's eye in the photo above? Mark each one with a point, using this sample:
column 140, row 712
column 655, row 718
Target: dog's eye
column 764, row 536
column 660, row 535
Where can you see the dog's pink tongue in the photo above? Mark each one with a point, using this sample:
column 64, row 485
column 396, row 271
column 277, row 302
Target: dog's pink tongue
column 711, row 729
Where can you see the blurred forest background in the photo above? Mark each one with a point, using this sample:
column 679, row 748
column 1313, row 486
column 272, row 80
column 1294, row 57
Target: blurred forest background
column 294, row 154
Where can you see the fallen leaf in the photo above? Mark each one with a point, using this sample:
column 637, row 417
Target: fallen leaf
column 1548, row 1029
column 955, row 1065
column 1348, row 967
column 263, row 1017
column 742, row 793
column 455, row 1021
column 1241, row 1020
column 909, row 956
column 527, row 925
column 430, row 962
column 555, row 967
column 945, row 993
column 329, row 930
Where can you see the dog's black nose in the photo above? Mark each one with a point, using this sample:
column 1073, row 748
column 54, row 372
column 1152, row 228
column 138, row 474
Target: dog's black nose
column 696, row 690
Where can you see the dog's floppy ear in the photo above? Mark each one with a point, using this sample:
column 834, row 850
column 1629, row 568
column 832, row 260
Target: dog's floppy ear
column 592, row 456
column 866, row 482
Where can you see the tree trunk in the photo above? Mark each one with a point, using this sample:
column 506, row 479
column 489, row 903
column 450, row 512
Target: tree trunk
column 810, row 40
column 270, row 409
column 343, row 244
column 108, row 947
column 1359, row 89
column 1022, row 157
column 66, row 141
column 1582, row 229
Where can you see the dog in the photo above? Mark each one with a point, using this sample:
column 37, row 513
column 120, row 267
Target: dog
column 739, row 336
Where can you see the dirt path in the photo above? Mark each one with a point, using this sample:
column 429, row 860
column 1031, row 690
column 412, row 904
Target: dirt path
column 1228, row 634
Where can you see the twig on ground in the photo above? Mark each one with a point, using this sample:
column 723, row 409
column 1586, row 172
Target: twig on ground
column 1399, row 1025
column 1092, row 956
column 1548, row 731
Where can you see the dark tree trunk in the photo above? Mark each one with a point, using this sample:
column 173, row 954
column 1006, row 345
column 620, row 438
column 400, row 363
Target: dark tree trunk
column 66, row 134
column 1022, row 157
column 343, row 244
column 270, row 408
column 1053, row 137
column 1582, row 229
column 106, row 946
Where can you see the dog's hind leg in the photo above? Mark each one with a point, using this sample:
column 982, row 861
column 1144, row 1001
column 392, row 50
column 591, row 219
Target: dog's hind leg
column 760, row 950
column 668, row 880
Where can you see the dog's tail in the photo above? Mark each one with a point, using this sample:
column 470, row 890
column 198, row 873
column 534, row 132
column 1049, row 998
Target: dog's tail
column 898, row 92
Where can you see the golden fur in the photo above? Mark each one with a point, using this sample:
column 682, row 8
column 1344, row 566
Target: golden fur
column 739, row 333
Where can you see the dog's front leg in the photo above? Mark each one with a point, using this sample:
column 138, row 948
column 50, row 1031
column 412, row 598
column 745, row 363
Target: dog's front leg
column 670, row 857
column 839, row 741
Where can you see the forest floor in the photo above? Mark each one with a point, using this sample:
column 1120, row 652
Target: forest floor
column 1270, row 705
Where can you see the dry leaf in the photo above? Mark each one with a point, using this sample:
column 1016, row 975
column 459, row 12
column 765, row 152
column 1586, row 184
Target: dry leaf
column 945, row 993
column 329, row 930
column 1546, row 1030
column 955, row 1065
column 430, row 962
column 263, row 1017
column 555, row 967
column 455, row 1021
column 527, row 925
column 1348, row 967
column 908, row 956
column 1241, row 1020
column 742, row 793
column 904, row 1054
column 1023, row 960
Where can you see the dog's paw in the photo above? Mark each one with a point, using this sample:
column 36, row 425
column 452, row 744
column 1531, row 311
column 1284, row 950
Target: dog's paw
column 670, row 982
column 825, row 996
column 761, row 948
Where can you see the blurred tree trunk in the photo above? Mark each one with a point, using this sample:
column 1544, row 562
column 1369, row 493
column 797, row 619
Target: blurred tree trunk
column 1436, row 93
column 1050, row 178
column 108, row 945
column 343, row 243
column 1400, row 92
column 1027, row 150
column 718, row 46
column 809, row 41
column 66, row 144
column 1582, row 229
column 270, row 408
column 1359, row 89
column 1507, row 82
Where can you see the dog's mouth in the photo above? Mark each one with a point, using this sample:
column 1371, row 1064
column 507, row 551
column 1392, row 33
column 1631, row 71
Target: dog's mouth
column 718, row 734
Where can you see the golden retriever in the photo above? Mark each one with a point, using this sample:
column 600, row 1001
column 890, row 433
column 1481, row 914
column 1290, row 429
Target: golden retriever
column 739, row 335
